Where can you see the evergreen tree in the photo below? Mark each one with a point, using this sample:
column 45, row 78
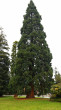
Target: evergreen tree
column 33, row 67
column 12, row 82
column 13, row 57
column 4, row 64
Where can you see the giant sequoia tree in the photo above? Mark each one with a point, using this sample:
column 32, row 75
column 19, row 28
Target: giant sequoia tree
column 33, row 68
column 4, row 64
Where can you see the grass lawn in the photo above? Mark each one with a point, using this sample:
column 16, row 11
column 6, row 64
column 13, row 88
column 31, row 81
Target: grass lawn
column 9, row 103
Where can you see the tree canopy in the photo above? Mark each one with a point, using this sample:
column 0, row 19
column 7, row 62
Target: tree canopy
column 4, row 63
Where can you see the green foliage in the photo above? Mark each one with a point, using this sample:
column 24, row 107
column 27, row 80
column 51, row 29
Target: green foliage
column 13, row 78
column 33, row 65
column 4, row 64
column 56, row 90
column 57, row 77
column 13, row 57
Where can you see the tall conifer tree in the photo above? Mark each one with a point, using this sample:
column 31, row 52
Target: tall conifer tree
column 4, row 64
column 13, row 57
column 12, row 82
column 33, row 68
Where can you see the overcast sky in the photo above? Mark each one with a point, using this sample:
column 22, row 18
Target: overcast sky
column 11, row 20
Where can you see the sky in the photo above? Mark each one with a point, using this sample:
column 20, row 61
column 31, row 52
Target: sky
column 11, row 20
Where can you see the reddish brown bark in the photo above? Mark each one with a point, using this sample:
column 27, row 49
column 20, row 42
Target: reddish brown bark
column 31, row 94
column 15, row 95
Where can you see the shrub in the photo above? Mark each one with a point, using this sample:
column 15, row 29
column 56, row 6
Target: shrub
column 56, row 91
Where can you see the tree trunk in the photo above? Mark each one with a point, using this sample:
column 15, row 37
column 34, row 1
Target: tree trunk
column 31, row 94
column 1, row 95
column 15, row 95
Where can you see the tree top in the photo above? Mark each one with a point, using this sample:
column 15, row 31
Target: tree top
column 31, row 2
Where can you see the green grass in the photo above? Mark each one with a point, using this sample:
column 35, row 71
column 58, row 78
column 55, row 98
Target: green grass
column 56, row 99
column 9, row 103
column 24, row 96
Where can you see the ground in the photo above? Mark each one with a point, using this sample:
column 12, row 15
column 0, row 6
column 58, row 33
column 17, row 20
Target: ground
column 9, row 103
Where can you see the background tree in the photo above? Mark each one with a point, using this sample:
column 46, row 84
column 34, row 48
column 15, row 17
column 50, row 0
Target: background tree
column 57, row 76
column 4, row 64
column 33, row 67
column 12, row 82
column 56, row 87
column 13, row 57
